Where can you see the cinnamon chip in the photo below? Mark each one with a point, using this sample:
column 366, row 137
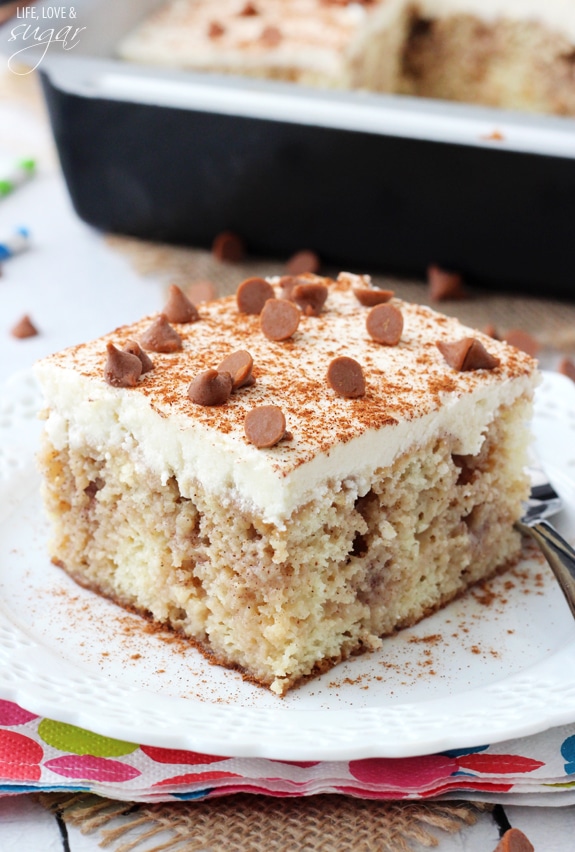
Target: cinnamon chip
column 271, row 36
column 134, row 348
column 345, row 377
column 279, row 319
column 514, row 841
column 122, row 369
column 444, row 285
column 467, row 354
column 310, row 297
column 384, row 324
column 491, row 331
column 178, row 307
column 303, row 261
column 252, row 294
column 210, row 388
column 347, row 2
column 215, row 29
column 249, row 10
column 567, row 368
column 371, row 296
column 201, row 291
column 522, row 340
column 287, row 284
column 239, row 365
column 265, row 426
column 24, row 328
column 228, row 246
column 161, row 337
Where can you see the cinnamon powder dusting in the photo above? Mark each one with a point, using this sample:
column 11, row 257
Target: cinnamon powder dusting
column 403, row 382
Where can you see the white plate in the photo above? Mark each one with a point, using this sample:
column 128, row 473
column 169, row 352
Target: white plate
column 494, row 665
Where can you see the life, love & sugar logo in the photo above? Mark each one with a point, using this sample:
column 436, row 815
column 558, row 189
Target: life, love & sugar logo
column 35, row 39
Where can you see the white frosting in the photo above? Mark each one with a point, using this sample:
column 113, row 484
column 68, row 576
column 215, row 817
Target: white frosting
column 312, row 35
column 315, row 37
column 412, row 395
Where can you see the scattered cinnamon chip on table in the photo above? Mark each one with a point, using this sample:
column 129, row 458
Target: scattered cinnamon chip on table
column 210, row 388
column 345, row 377
column 228, row 246
column 384, row 324
column 514, row 841
column 303, row 261
column 161, row 337
column 178, row 307
column 265, row 426
column 239, row 365
column 279, row 319
column 443, row 284
column 122, row 369
column 522, row 340
column 252, row 294
column 134, row 348
column 24, row 328
column 467, row 354
column 567, row 368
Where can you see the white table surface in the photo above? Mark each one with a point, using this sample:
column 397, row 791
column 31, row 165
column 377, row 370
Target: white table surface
column 74, row 287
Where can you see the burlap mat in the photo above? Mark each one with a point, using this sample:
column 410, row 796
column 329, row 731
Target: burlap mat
column 244, row 823
column 551, row 321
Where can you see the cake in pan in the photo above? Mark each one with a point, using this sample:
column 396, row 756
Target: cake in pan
column 506, row 53
column 288, row 474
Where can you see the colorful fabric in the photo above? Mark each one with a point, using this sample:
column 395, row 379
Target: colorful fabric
column 41, row 754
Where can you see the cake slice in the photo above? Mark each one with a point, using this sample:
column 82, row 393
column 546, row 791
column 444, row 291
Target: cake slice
column 304, row 41
column 288, row 474
column 517, row 55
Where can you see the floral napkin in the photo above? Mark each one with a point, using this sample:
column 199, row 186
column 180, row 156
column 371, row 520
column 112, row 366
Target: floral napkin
column 38, row 754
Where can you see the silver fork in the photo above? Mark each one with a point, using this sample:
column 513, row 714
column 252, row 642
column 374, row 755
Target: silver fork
column 542, row 503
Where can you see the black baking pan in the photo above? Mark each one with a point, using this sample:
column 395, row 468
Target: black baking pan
column 370, row 182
